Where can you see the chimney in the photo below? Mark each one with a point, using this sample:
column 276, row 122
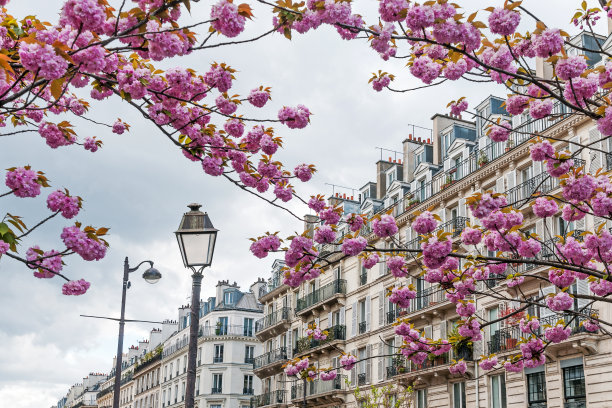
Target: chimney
column 221, row 286
column 254, row 288
column 155, row 338
column 168, row 328
column 381, row 179
column 409, row 160
column 544, row 69
column 143, row 346
column 310, row 222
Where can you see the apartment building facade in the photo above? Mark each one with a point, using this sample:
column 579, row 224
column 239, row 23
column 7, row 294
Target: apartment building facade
column 439, row 171
column 227, row 347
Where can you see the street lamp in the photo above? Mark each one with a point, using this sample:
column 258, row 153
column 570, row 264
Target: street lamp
column 151, row 275
column 196, row 238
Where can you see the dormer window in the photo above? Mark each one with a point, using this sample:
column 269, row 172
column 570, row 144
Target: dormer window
column 391, row 176
column 228, row 298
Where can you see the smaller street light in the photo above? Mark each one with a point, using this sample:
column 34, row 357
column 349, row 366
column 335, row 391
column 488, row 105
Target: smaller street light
column 151, row 275
column 196, row 238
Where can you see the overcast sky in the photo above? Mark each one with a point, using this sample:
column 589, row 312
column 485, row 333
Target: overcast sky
column 138, row 184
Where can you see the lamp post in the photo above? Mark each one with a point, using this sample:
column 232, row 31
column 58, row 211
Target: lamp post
column 151, row 275
column 196, row 238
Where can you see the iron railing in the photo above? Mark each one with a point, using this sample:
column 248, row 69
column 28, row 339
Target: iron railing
column 337, row 332
column 272, row 319
column 325, row 292
column 280, row 354
column 577, row 403
column 453, row 226
column 268, row 398
column 247, row 391
column 216, row 390
column 402, row 366
column 318, row 387
column 392, row 315
column 363, row 278
column 362, row 327
column 507, row 339
column 361, row 379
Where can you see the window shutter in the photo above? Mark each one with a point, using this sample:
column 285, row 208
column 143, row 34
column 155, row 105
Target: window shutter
column 499, row 185
column 289, row 344
column 461, row 208
column 382, row 266
column 573, row 147
column 580, row 224
column 544, row 311
column 443, row 329
column 368, row 363
column 342, row 315
column 596, row 157
column 329, row 320
column 368, row 317
column 381, row 360
column 540, row 229
column 537, row 168
column 381, row 308
column 582, row 288
column 317, row 321
column 335, row 364
column 354, row 370
column 428, row 331
column 511, row 179
column 354, row 320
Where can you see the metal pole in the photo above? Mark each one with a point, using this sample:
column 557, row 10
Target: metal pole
column 117, row 385
column 193, row 338
column 305, row 383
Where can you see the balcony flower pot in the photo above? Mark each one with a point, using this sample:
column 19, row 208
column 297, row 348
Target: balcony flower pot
column 401, row 369
column 452, row 171
column 403, row 312
column 511, row 343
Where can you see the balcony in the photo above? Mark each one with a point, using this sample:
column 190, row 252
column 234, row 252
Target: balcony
column 247, row 391
column 269, row 398
column 361, row 379
column 273, row 324
column 542, row 183
column 306, row 345
column 226, row 330
column 363, row 278
column 216, row 390
column 267, row 363
column 453, row 226
column 218, row 359
column 320, row 392
column 405, row 370
column 430, row 298
column 274, row 286
column 507, row 339
column 392, row 316
column 577, row 403
column 321, row 296
column 249, row 360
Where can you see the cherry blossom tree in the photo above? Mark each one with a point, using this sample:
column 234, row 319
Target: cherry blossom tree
column 440, row 42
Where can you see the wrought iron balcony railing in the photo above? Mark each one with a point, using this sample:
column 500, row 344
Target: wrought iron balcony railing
column 362, row 327
column 337, row 332
column 280, row 354
column 507, row 339
column 272, row 319
column 269, row 398
column 318, row 387
column 363, row 278
column 325, row 292
column 361, row 379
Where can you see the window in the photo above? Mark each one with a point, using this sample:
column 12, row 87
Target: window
column 536, row 389
column 197, row 385
column 390, row 177
column 218, row 357
column 215, row 406
column 228, row 298
column 248, row 327
column 164, row 398
column 248, row 385
column 361, row 366
column 171, row 370
column 362, row 316
column 459, row 395
column 498, row 391
column 573, row 385
column 249, row 354
column 199, row 355
column 217, row 387
column 421, row 398
column 185, row 364
column 183, row 391
column 222, row 326
column 175, row 394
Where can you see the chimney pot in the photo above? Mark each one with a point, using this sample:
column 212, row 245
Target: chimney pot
column 352, row 198
column 410, row 136
column 389, row 158
column 428, row 141
column 399, row 161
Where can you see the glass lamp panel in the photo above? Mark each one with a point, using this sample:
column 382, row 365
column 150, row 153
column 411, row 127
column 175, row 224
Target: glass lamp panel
column 196, row 248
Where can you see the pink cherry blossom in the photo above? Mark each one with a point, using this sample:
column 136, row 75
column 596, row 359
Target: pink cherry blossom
column 557, row 334
column 23, row 182
column 547, row 43
column 87, row 247
column 294, row 118
column 324, row 235
column 75, row 288
column 424, row 223
column 544, row 207
column 258, row 98
column 227, row 20
column 348, row 361
column 559, row 302
column 384, row 226
column 503, row 21
column 471, row 236
column 61, row 201
column 571, row 67
column 459, row 368
column 354, row 246
column 328, row 375
column 265, row 245
column 370, row 260
column 488, row 363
